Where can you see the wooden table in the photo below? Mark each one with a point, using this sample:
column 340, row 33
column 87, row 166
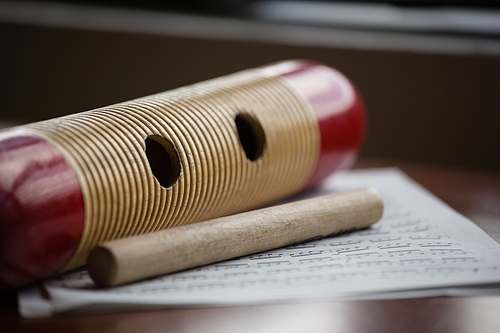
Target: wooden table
column 474, row 194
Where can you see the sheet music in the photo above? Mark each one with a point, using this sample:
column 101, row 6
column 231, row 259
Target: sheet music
column 421, row 247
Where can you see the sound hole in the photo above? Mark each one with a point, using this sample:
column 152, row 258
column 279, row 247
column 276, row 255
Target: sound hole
column 163, row 160
column 251, row 135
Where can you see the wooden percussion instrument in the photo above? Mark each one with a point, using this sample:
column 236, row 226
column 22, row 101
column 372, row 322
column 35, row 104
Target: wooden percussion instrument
column 199, row 152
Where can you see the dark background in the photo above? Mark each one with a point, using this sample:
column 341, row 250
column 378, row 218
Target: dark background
column 435, row 106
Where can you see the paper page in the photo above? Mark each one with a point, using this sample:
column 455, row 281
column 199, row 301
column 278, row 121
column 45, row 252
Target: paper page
column 420, row 248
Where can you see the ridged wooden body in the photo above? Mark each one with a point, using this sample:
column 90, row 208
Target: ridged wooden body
column 106, row 148
column 203, row 151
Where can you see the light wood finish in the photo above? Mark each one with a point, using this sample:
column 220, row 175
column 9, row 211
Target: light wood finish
column 171, row 250
column 106, row 147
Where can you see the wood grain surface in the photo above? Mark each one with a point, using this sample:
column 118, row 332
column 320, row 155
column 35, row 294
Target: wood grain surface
column 166, row 251
column 203, row 128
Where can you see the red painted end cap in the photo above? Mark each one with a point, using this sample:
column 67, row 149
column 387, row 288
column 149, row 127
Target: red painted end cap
column 338, row 108
column 41, row 209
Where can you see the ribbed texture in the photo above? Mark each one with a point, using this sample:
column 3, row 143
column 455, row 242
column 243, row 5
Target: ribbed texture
column 106, row 147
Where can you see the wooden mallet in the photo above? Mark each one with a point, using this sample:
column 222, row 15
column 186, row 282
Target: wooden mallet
column 193, row 245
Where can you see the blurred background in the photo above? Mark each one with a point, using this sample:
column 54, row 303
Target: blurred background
column 429, row 71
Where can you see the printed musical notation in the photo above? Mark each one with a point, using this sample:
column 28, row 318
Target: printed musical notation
column 350, row 256
column 419, row 244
